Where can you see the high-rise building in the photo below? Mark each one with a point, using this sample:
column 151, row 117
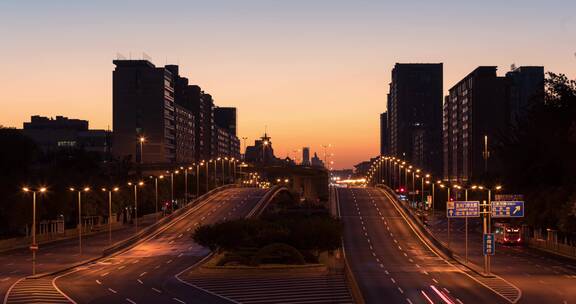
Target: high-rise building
column 225, row 117
column 316, row 161
column 526, row 90
column 384, row 134
column 143, row 107
column 414, row 114
column 478, row 113
column 306, row 156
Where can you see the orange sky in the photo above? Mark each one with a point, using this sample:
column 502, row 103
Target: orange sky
column 313, row 73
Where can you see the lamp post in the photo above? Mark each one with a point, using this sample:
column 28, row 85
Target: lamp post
column 156, row 193
column 448, row 218
column 207, row 176
column 110, row 190
column 136, row 201
column 197, row 180
column 216, row 172
column 34, row 246
column 141, row 140
column 79, row 191
column 223, row 171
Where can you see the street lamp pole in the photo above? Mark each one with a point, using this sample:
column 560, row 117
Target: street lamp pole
column 141, row 141
column 34, row 246
column 79, row 191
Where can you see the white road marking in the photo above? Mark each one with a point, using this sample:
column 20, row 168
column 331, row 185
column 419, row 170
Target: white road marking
column 400, row 290
column 393, row 281
column 98, row 282
column 178, row 300
column 140, row 281
column 142, row 274
column 112, row 290
column 157, row 290
column 129, row 300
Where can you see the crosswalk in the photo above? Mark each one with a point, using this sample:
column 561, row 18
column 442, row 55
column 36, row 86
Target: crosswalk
column 32, row 290
column 294, row 288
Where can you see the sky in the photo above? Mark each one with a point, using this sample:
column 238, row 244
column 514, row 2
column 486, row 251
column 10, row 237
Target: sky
column 312, row 72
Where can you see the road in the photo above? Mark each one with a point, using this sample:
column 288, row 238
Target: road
column 543, row 277
column 391, row 263
column 146, row 273
column 17, row 263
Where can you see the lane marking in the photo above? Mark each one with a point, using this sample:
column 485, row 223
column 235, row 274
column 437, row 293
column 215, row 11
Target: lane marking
column 112, row 290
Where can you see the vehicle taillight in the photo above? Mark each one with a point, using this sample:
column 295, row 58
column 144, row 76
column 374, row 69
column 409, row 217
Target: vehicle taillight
column 518, row 240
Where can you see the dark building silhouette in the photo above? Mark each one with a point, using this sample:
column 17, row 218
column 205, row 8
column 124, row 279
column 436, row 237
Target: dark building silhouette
column 143, row 106
column 176, row 119
column 59, row 133
column 306, row 156
column 384, row 144
column 316, row 161
column 414, row 114
column 225, row 117
column 526, row 90
column 478, row 113
column 261, row 152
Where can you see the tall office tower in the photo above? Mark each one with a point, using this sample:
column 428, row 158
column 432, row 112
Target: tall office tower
column 475, row 114
column 143, row 106
column 479, row 111
column 526, row 90
column 225, row 117
column 384, row 146
column 415, row 114
column 306, row 156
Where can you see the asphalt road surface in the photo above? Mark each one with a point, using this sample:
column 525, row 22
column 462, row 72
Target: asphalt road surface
column 390, row 262
column 542, row 277
column 147, row 272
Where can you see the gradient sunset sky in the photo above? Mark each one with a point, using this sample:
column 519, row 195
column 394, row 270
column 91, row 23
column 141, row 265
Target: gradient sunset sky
column 314, row 72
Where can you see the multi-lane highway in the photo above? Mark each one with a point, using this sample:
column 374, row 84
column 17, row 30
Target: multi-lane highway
column 148, row 272
column 17, row 263
column 391, row 263
column 543, row 277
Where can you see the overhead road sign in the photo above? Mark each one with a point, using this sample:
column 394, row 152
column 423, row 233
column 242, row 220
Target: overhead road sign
column 507, row 208
column 463, row 209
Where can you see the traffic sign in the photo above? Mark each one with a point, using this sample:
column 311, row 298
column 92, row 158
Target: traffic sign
column 463, row 209
column 488, row 244
column 507, row 208
column 33, row 247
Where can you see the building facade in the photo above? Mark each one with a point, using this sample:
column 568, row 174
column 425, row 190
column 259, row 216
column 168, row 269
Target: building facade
column 414, row 114
column 306, row 156
column 384, row 146
column 62, row 133
column 143, row 107
column 479, row 112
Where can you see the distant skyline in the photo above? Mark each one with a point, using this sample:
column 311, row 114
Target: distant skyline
column 313, row 72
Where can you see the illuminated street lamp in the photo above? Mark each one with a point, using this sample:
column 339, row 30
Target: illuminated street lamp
column 110, row 190
column 156, row 192
column 136, row 201
column 34, row 246
column 79, row 191
column 141, row 141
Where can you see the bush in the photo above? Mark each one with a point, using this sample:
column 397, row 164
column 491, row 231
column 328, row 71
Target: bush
column 278, row 253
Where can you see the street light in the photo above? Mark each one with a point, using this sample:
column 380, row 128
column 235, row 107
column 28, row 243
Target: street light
column 141, row 140
column 156, row 192
column 34, row 246
column 110, row 211
column 79, row 191
column 136, row 201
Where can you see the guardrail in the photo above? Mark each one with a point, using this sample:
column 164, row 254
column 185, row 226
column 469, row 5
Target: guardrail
column 163, row 223
column 265, row 200
column 348, row 274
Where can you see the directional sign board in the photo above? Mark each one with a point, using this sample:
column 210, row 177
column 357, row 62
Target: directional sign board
column 507, row 209
column 488, row 244
column 463, row 209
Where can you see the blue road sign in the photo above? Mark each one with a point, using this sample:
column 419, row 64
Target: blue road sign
column 488, row 244
column 463, row 209
column 507, row 209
